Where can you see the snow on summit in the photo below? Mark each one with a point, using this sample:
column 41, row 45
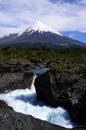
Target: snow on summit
column 39, row 27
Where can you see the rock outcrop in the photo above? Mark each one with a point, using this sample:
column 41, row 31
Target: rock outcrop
column 10, row 120
column 3, row 105
column 66, row 89
column 15, row 76
column 11, row 81
column 13, row 67
column 44, row 85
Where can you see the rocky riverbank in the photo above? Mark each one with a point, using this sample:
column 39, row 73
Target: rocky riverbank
column 10, row 120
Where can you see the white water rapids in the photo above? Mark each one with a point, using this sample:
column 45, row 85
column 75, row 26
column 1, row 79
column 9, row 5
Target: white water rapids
column 25, row 101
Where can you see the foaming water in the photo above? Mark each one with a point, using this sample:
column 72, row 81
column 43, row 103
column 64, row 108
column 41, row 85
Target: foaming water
column 25, row 101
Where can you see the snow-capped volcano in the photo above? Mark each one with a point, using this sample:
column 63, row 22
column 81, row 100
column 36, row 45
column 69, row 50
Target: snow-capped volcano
column 40, row 27
column 40, row 35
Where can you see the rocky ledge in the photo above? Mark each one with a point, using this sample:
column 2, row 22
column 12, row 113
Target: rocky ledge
column 67, row 89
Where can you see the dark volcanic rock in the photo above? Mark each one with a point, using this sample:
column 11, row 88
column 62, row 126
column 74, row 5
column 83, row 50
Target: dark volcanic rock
column 10, row 120
column 15, row 76
column 3, row 105
column 17, row 67
column 10, row 68
column 66, row 89
column 44, row 85
column 18, row 80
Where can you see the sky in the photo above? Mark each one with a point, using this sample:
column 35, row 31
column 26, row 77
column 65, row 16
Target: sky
column 66, row 16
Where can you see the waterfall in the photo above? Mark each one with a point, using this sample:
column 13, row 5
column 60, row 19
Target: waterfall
column 32, row 85
column 25, row 101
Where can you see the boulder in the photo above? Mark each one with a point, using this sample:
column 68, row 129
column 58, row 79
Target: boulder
column 45, row 85
column 67, row 89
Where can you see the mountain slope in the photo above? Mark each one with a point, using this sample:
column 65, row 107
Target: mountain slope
column 40, row 35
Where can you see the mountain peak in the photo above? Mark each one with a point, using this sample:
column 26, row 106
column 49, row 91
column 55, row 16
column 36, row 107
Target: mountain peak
column 40, row 35
column 40, row 27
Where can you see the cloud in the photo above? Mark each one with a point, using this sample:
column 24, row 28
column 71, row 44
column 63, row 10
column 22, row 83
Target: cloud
column 60, row 15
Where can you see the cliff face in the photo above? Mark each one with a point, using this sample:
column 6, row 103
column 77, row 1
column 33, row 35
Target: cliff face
column 11, row 81
column 64, row 89
column 14, row 77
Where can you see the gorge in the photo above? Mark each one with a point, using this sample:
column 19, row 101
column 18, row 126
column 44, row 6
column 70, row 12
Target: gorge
column 24, row 99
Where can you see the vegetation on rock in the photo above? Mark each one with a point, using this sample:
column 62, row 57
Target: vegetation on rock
column 61, row 60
